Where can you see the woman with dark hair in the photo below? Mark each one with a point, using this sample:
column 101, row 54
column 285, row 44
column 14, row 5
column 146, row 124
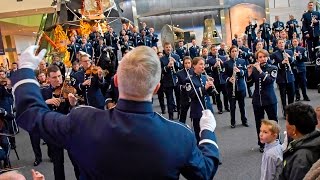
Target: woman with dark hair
column 304, row 149
column 199, row 91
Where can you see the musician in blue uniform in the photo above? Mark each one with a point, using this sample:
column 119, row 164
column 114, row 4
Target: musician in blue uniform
column 275, row 38
column 194, row 49
column 86, row 47
column 217, row 70
column 251, row 33
column 292, row 26
column 234, row 40
column 277, row 25
column 170, row 64
column 258, row 39
column 181, row 50
column 100, row 140
column 264, row 99
column 235, row 70
column 88, row 83
column 144, row 40
column 282, row 58
column 56, row 60
column 299, row 70
column 54, row 102
column 222, row 51
column 135, row 36
column 265, row 32
column 126, row 44
column 111, row 38
column 112, row 95
column 200, row 88
column 153, row 37
column 182, row 76
column 74, row 49
column 310, row 30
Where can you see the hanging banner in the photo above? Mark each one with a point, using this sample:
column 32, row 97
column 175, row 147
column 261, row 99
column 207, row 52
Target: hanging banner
column 1, row 45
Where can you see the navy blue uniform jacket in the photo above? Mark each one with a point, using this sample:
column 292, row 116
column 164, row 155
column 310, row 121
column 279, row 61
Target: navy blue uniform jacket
column 130, row 141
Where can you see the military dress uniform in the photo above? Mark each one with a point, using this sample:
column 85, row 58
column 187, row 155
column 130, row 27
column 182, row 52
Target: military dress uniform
column 299, row 70
column 135, row 38
column 293, row 29
column 169, row 81
column 220, row 83
column 313, row 31
column 285, row 78
column 194, row 51
column 278, row 26
column 92, row 94
column 154, row 39
column 61, row 67
column 106, row 59
column 128, row 45
column 99, row 139
column 223, row 53
column 181, row 51
column 264, row 98
column 74, row 50
column 198, row 87
column 144, row 41
column 87, row 48
column 251, row 33
column 265, row 34
column 183, row 82
column 240, row 88
column 256, row 42
column 112, row 41
column 246, row 54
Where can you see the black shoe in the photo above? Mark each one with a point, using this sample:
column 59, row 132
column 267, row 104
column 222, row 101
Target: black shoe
column 233, row 126
column 220, row 112
column 37, row 162
column 298, row 99
column 261, row 149
column 171, row 116
column 13, row 146
column 306, row 99
column 163, row 111
column 227, row 109
column 245, row 124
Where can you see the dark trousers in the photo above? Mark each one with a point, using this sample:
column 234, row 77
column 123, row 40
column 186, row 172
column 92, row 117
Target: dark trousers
column 240, row 98
column 300, row 83
column 161, row 99
column 184, row 107
column 196, row 128
column 286, row 89
column 35, row 143
column 258, row 111
column 312, row 42
column 170, row 100
column 250, row 41
column 57, row 157
column 177, row 95
column 266, row 43
column 222, row 90
column 75, row 166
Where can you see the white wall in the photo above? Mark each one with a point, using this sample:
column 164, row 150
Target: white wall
column 284, row 8
column 22, row 42
column 13, row 5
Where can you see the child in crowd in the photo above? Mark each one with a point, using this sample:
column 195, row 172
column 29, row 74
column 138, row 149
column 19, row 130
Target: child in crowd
column 271, row 165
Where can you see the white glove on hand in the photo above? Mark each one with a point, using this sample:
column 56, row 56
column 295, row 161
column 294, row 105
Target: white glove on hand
column 28, row 59
column 207, row 121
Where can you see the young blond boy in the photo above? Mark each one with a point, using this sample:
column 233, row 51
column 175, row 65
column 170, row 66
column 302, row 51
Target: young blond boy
column 271, row 165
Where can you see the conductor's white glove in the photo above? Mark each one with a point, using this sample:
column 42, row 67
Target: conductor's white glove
column 28, row 59
column 207, row 121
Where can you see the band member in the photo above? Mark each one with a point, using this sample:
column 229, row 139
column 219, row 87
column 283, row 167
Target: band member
column 57, row 61
column 235, row 70
column 126, row 44
column 274, row 40
column 217, row 71
column 111, row 39
column 284, row 36
column 234, row 40
column 181, row 50
column 74, row 49
column 105, row 58
column 194, row 50
column 182, row 76
column 282, row 58
column 310, row 30
column 277, row 25
column 160, row 92
column 200, row 88
column 86, row 47
column 55, row 152
column 145, row 28
column 264, row 99
column 88, row 83
column 265, row 32
column 251, row 33
column 154, row 37
column 299, row 70
column 135, row 36
column 112, row 95
column 258, row 39
column 170, row 64
column 292, row 26
column 222, row 51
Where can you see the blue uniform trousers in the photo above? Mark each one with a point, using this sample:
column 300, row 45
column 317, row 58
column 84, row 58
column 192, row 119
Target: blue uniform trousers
column 286, row 89
column 240, row 98
column 300, row 82
column 57, row 157
column 35, row 143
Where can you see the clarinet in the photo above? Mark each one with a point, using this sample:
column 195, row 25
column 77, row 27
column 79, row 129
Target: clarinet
column 214, row 89
column 285, row 57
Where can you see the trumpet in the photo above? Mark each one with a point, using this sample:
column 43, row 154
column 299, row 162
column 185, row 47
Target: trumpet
column 214, row 89
column 285, row 56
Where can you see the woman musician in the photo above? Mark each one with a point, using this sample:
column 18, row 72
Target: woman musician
column 235, row 70
column 262, row 74
column 199, row 89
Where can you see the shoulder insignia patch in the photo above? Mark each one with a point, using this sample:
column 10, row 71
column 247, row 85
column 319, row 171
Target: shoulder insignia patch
column 274, row 73
column 188, row 86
